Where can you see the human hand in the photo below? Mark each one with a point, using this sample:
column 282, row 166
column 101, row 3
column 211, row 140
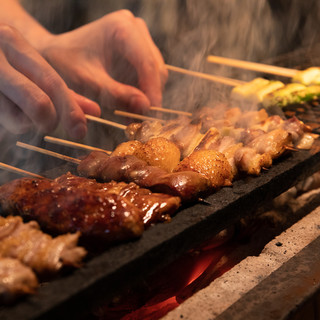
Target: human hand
column 85, row 58
column 32, row 94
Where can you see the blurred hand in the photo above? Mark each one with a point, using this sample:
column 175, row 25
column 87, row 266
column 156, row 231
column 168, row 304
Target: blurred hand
column 32, row 94
column 92, row 58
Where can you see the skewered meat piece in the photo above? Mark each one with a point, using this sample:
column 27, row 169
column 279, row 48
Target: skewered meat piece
column 240, row 158
column 273, row 143
column 39, row 251
column 212, row 164
column 181, row 132
column 219, row 116
column 159, row 152
column 16, row 280
column 187, row 184
column 143, row 131
column 250, row 118
column 249, row 135
column 248, row 160
column 154, row 207
column 184, row 137
column 126, row 148
column 100, row 211
column 300, row 134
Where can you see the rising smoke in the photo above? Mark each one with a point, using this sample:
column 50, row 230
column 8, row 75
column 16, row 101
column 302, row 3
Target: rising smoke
column 186, row 31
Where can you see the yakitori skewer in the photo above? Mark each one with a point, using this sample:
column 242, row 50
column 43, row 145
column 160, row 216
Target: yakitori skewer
column 22, row 172
column 253, row 66
column 47, row 152
column 218, row 79
column 72, row 144
column 185, row 184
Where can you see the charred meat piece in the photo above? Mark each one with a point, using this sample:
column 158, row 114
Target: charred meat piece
column 187, row 184
column 16, row 280
column 210, row 163
column 128, row 147
column 159, row 152
column 38, row 250
column 100, row 211
column 154, row 207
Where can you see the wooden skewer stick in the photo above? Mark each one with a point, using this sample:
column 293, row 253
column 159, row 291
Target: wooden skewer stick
column 183, row 113
column 135, row 116
column 19, row 171
column 219, row 79
column 47, row 152
column 291, row 148
column 253, row 66
column 107, row 122
column 72, row 144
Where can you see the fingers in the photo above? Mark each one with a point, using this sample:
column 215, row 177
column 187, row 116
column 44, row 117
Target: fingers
column 163, row 71
column 12, row 119
column 114, row 94
column 132, row 39
column 31, row 100
column 88, row 106
column 34, row 86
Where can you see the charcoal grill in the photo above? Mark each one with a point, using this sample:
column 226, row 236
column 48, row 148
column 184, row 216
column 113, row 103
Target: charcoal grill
column 106, row 274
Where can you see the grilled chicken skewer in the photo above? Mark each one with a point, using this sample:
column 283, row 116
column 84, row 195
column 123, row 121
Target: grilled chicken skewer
column 187, row 185
column 100, row 211
column 245, row 138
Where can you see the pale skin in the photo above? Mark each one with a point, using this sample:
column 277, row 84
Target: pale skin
column 39, row 69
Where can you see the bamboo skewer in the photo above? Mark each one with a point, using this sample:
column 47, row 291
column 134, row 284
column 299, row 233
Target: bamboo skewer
column 135, row 116
column 19, row 171
column 219, row 79
column 48, row 152
column 107, row 122
column 72, row 144
column 253, row 66
column 165, row 110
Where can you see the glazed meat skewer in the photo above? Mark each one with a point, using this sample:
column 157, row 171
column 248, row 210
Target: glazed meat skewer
column 108, row 212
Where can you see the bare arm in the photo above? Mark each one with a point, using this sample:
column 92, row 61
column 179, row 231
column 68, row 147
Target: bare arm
column 13, row 14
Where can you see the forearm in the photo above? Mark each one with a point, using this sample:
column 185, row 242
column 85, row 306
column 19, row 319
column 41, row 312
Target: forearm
column 13, row 14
